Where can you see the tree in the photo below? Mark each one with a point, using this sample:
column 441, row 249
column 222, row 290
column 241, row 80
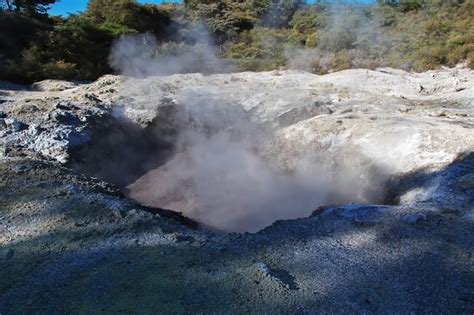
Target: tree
column 224, row 19
column 129, row 14
column 29, row 7
column 280, row 12
column 405, row 5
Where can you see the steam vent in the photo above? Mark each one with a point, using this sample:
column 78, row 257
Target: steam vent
column 351, row 184
column 236, row 157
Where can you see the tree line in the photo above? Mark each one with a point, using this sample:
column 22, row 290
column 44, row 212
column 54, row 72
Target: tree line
column 253, row 35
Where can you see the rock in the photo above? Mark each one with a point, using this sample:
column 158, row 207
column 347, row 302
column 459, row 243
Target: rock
column 117, row 213
column 279, row 276
column 53, row 85
column 71, row 189
column 19, row 168
column 15, row 125
column 466, row 182
column 296, row 124
column 263, row 268
column 116, row 207
column 414, row 218
column 35, row 130
column 8, row 254
column 133, row 213
column 360, row 214
column 92, row 97
column 64, row 117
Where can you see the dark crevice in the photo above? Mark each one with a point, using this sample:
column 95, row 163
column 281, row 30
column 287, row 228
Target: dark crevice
column 121, row 151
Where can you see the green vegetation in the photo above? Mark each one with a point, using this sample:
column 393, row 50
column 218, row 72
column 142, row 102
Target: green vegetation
column 254, row 35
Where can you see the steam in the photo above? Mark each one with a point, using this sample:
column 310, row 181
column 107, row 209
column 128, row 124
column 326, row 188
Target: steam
column 142, row 56
column 225, row 184
column 351, row 30
column 221, row 173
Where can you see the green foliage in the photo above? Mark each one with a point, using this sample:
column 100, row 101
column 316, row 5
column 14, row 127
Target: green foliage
column 74, row 49
column 470, row 60
column 18, row 31
column 224, row 19
column 306, row 20
column 279, row 13
column 263, row 48
column 28, row 7
column 124, row 16
column 341, row 61
column 255, row 35
column 38, row 47
column 404, row 5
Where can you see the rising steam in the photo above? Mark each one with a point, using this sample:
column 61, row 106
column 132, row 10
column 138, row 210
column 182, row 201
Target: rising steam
column 220, row 174
column 142, row 56
column 350, row 29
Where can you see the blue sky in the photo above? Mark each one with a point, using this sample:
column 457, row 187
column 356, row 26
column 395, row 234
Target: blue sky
column 63, row 7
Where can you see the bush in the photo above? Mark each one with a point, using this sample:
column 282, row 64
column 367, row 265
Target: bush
column 306, row 20
column 60, row 69
column 341, row 61
column 470, row 60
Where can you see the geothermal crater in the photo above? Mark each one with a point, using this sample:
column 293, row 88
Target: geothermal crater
column 234, row 158
column 221, row 172
column 220, row 162
column 390, row 152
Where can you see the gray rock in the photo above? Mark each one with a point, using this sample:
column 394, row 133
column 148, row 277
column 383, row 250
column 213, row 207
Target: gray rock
column 35, row 130
column 15, row 125
column 64, row 117
column 19, row 168
column 92, row 97
column 466, row 182
column 53, row 85
column 414, row 217
column 279, row 276
column 7, row 254
column 263, row 268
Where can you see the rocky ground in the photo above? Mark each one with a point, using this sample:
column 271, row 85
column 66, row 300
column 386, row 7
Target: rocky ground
column 399, row 144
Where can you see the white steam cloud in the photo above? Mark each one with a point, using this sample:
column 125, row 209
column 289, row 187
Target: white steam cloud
column 142, row 56
column 350, row 28
column 220, row 174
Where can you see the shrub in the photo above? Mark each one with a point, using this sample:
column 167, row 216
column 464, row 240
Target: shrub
column 470, row 60
column 60, row 69
column 341, row 61
column 432, row 57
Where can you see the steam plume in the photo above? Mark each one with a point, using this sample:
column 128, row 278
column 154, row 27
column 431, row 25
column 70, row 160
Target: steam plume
column 220, row 174
column 142, row 56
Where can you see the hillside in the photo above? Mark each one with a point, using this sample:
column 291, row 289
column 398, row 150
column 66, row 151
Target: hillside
column 248, row 35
